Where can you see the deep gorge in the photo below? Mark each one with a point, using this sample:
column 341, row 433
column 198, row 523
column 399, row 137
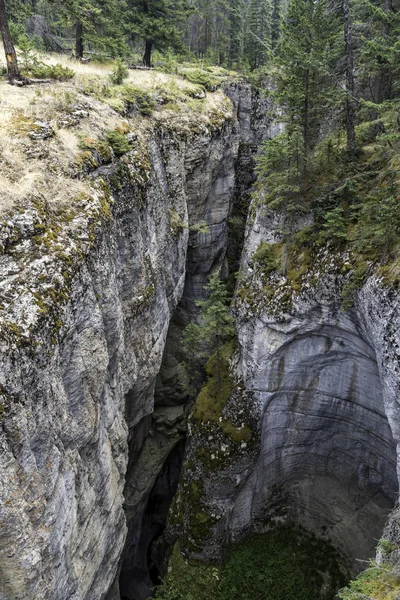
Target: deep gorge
column 101, row 473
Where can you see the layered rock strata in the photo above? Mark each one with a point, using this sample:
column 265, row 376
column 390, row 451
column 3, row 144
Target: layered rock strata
column 318, row 387
column 81, row 345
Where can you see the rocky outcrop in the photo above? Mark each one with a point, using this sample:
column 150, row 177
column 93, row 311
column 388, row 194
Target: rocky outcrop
column 81, row 345
column 318, row 386
column 212, row 189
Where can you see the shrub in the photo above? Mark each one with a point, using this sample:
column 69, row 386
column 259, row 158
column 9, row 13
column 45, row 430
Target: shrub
column 284, row 564
column 57, row 72
column 200, row 77
column 138, row 99
column 119, row 73
column 265, row 257
column 118, row 142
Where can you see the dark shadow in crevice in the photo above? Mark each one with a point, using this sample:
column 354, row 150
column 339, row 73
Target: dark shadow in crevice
column 141, row 569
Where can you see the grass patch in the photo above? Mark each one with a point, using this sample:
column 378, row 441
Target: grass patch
column 376, row 583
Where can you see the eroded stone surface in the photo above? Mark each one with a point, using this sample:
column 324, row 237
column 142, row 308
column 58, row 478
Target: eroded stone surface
column 326, row 384
column 82, row 342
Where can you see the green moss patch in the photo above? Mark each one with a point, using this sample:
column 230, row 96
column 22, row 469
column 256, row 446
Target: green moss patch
column 284, row 564
column 216, row 392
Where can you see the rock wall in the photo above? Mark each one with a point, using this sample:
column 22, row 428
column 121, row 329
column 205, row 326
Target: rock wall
column 318, row 387
column 75, row 398
column 212, row 189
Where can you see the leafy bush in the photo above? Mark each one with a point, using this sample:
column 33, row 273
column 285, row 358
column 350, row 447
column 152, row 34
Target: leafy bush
column 119, row 73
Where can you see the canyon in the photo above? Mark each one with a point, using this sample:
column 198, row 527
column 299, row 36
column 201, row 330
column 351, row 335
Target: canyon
column 103, row 466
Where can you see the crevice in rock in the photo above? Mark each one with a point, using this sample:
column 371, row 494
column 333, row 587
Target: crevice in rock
column 244, row 178
column 144, row 552
column 156, row 444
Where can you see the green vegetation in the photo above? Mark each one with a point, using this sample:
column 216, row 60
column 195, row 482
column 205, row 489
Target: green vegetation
column 283, row 564
column 378, row 582
column 118, row 142
column 355, row 201
column 215, row 394
column 337, row 158
column 119, row 73
column 216, row 326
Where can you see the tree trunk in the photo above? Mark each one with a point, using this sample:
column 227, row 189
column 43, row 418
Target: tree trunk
column 218, row 368
column 79, row 40
column 350, row 109
column 275, row 23
column 147, row 53
column 306, row 122
column 384, row 83
column 11, row 57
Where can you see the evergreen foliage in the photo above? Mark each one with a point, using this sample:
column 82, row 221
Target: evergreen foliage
column 337, row 85
column 307, row 54
column 158, row 23
column 258, row 33
column 215, row 328
column 119, row 73
column 98, row 23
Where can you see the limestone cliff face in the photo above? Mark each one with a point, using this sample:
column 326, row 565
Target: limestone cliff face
column 319, row 388
column 78, row 368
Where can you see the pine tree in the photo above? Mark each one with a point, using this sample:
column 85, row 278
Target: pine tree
column 307, row 56
column 236, row 32
column 349, row 69
column 216, row 324
column 11, row 57
column 215, row 30
column 159, row 23
column 258, row 32
column 280, row 176
column 380, row 47
column 95, row 22
column 276, row 17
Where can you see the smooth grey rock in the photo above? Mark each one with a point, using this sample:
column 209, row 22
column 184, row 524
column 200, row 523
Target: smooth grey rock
column 326, row 384
column 76, row 404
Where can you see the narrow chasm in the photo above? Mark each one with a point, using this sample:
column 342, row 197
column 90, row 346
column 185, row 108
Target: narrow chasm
column 144, row 551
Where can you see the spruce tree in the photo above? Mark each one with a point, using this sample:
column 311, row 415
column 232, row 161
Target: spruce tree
column 276, row 24
column 11, row 57
column 349, row 69
column 236, row 32
column 258, row 32
column 95, row 22
column 307, row 55
column 159, row 23
column 379, row 56
column 216, row 325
